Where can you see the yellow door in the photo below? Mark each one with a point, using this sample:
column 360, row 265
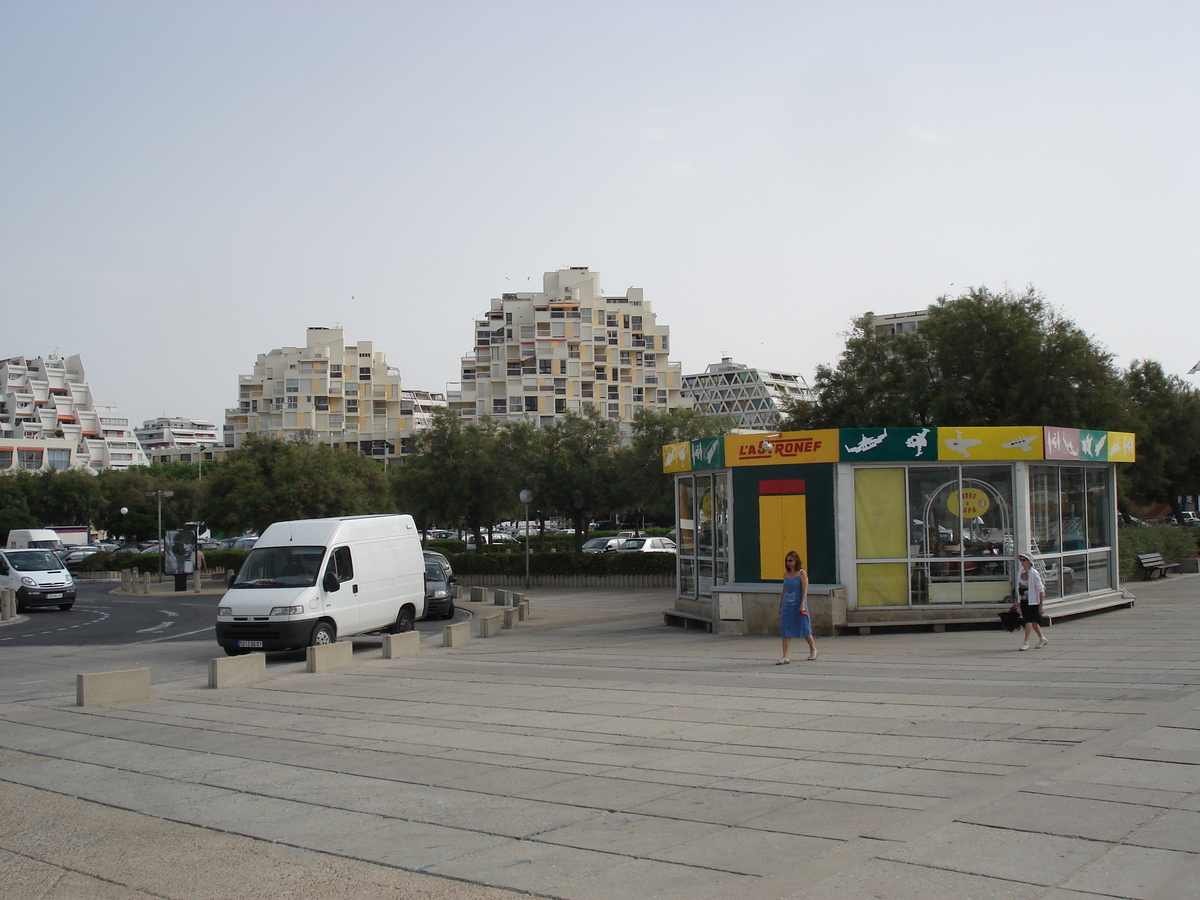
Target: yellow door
column 782, row 526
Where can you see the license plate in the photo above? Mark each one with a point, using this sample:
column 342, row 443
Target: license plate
column 250, row 644
column 54, row 596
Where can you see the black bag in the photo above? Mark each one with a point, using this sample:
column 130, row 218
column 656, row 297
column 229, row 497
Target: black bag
column 1010, row 620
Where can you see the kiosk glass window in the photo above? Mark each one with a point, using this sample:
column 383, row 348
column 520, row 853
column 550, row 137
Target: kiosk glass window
column 702, row 524
column 1071, row 521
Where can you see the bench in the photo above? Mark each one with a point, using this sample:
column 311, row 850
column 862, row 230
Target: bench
column 1154, row 562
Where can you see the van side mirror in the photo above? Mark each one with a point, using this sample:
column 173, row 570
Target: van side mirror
column 330, row 582
column 452, row 580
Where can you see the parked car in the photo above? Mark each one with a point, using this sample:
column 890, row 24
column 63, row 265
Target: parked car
column 602, row 544
column 239, row 543
column 105, row 546
column 498, row 537
column 1191, row 517
column 440, row 559
column 647, row 545
column 73, row 557
column 438, row 602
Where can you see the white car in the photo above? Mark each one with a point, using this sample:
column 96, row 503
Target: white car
column 647, row 545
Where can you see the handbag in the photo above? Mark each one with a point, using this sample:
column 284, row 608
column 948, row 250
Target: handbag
column 1010, row 619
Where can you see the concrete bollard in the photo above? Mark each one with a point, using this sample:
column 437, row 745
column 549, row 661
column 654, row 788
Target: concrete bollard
column 145, row 582
column 125, row 581
column 490, row 625
column 523, row 610
column 8, row 604
column 396, row 646
column 456, row 635
column 478, row 594
column 231, row 671
column 500, row 597
column 196, row 582
column 511, row 616
column 109, row 688
column 335, row 657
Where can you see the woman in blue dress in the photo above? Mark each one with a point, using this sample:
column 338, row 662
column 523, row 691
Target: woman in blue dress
column 793, row 608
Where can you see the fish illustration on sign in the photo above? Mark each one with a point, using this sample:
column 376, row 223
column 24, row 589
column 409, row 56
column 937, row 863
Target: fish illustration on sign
column 962, row 445
column 669, row 455
column 710, row 452
column 1021, row 443
column 868, row 443
column 918, row 441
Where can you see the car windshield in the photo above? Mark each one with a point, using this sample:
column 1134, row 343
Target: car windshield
column 34, row 561
column 281, row 567
column 435, row 572
column 633, row 544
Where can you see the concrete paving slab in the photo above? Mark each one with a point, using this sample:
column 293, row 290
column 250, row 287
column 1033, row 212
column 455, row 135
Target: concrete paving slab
column 1141, row 873
column 628, row 834
column 416, row 846
column 611, row 794
column 1174, row 829
column 822, row 818
column 722, row 807
column 746, row 851
column 659, row 881
column 1096, row 820
column 1014, row 855
column 883, row 878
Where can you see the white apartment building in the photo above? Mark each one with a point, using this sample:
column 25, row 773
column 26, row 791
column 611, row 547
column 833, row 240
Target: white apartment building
column 753, row 398
column 540, row 355
column 899, row 323
column 170, row 439
column 328, row 392
column 48, row 419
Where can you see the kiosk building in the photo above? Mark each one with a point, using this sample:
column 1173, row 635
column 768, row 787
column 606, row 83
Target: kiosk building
column 895, row 525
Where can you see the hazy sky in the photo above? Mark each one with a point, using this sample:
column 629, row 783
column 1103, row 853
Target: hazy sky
column 186, row 185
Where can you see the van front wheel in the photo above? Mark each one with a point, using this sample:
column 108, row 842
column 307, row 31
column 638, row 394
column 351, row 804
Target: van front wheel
column 404, row 621
column 322, row 634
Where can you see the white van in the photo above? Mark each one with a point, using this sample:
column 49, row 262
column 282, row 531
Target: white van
column 39, row 578
column 311, row 581
column 34, row 538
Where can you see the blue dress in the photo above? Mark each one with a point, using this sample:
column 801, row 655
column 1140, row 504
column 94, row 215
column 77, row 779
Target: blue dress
column 791, row 623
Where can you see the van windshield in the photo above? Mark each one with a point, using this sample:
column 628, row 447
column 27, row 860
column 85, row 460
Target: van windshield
column 34, row 560
column 280, row 567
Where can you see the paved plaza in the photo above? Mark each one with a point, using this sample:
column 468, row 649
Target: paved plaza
column 590, row 752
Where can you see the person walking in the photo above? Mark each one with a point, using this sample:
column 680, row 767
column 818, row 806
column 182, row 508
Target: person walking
column 793, row 608
column 1031, row 591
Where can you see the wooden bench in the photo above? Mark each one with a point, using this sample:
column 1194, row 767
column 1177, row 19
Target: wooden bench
column 1154, row 562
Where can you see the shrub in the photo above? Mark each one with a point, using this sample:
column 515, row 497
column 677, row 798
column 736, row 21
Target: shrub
column 1174, row 542
column 564, row 563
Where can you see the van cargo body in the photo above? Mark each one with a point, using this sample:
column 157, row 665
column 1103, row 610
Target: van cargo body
column 33, row 539
column 311, row 581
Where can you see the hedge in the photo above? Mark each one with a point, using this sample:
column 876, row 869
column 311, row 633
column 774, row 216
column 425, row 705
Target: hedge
column 563, row 563
column 1174, row 542
column 214, row 561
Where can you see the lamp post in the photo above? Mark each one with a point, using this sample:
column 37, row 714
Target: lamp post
column 161, row 549
column 526, row 496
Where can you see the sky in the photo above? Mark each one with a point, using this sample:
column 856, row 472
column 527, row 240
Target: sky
column 186, row 185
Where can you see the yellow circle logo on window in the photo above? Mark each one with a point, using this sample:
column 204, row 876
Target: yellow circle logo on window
column 968, row 503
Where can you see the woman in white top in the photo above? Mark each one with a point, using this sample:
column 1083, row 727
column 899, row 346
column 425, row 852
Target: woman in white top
column 1031, row 591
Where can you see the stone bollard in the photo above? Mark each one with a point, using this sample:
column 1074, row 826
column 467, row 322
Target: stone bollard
column 196, row 582
column 126, row 582
column 232, row 671
column 110, row 688
column 8, row 603
column 456, row 635
column 523, row 610
column 490, row 625
column 396, row 646
column 500, row 597
column 478, row 594
column 145, row 582
column 511, row 616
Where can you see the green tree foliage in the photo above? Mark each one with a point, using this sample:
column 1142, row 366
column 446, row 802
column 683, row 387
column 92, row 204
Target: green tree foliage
column 1165, row 414
column 459, row 473
column 580, row 469
column 980, row 359
column 267, row 481
column 644, row 490
column 15, row 518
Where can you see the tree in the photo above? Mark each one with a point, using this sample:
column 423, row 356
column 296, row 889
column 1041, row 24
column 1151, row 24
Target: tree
column 457, row 473
column 1165, row 414
column 644, row 489
column 980, row 359
column 268, row 480
column 580, row 469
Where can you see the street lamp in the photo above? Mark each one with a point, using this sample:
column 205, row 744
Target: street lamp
column 160, row 495
column 526, row 496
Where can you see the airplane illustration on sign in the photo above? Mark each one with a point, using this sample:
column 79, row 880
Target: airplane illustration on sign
column 1021, row 443
column 961, row 445
column 918, row 441
column 867, row 443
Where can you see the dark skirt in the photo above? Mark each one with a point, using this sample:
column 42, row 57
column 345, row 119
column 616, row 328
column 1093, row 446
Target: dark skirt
column 1031, row 614
column 792, row 624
